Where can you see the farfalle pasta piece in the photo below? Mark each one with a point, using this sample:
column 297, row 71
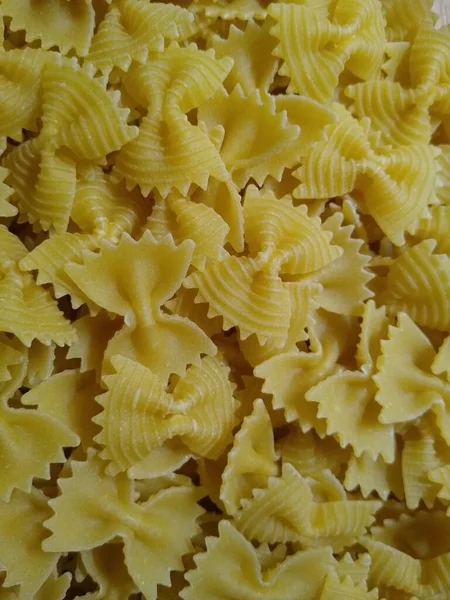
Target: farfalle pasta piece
column 184, row 219
column 104, row 211
column 251, row 50
column 396, row 184
column 254, row 139
column 310, row 42
column 105, row 565
column 68, row 397
column 404, row 116
column 170, row 152
column 356, row 391
column 345, row 281
column 132, row 28
column 418, row 283
column 139, row 416
column 248, row 292
column 21, row 556
column 80, row 114
column 66, row 25
column 30, row 441
column 20, row 95
column 252, row 459
column 79, row 524
column 310, row 454
column 44, row 182
column 286, row 511
column 28, row 311
column 362, row 431
column 303, row 370
column 130, row 280
column 230, row 569
column 375, row 476
column 407, row 388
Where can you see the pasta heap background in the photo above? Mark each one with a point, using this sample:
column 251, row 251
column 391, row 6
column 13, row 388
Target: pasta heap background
column 225, row 300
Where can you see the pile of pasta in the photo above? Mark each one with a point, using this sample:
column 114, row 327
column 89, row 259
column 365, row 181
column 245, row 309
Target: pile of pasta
column 224, row 300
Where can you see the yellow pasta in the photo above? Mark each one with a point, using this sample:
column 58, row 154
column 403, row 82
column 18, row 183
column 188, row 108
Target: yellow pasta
column 403, row 20
column 44, row 184
column 424, row 566
column 286, row 511
column 105, row 209
column 345, row 281
column 131, row 29
column 41, row 363
column 415, row 388
column 259, row 141
column 310, row 43
column 151, row 516
column 348, row 158
column 404, row 116
column 20, row 97
column 303, row 370
column 234, row 9
column 282, row 240
column 184, row 220
column 22, row 557
column 105, row 564
column 164, row 343
column 71, row 101
column 252, row 52
column 219, row 572
column 31, row 442
column 68, row 397
column 417, row 283
column 224, row 292
column 310, row 454
column 93, row 335
column 422, row 454
column 63, row 24
column 374, row 476
column 157, row 158
column 251, row 461
column 199, row 414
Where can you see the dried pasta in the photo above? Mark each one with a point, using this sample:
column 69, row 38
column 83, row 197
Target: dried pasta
column 224, row 300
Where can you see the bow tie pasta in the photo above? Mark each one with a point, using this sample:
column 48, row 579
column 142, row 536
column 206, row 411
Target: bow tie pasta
column 224, row 300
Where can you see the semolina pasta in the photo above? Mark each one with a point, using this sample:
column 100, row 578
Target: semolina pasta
column 224, row 300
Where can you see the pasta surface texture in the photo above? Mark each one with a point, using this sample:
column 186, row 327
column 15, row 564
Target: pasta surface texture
column 224, row 300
